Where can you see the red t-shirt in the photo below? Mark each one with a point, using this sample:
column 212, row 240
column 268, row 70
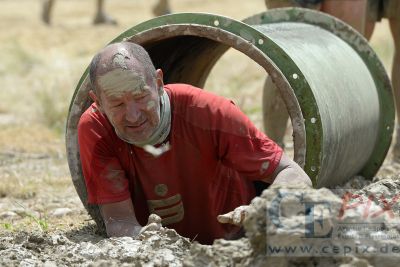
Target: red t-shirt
column 216, row 153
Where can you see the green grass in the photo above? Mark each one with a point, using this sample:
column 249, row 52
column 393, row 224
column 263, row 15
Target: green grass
column 41, row 222
column 8, row 226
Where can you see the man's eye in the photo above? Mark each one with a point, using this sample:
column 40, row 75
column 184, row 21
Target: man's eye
column 117, row 105
column 140, row 97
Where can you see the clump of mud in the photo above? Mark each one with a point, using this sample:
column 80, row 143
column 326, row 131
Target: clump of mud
column 362, row 230
column 368, row 225
column 160, row 247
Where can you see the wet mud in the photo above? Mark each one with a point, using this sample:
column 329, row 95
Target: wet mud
column 160, row 246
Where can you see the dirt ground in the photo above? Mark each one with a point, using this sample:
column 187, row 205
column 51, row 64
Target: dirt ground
column 42, row 221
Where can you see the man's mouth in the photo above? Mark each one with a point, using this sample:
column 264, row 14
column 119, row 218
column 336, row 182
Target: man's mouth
column 136, row 126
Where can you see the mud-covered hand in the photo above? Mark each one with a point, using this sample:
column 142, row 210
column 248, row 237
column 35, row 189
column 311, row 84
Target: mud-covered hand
column 235, row 217
column 153, row 224
column 117, row 227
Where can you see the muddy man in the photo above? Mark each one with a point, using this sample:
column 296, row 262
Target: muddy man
column 173, row 150
column 361, row 15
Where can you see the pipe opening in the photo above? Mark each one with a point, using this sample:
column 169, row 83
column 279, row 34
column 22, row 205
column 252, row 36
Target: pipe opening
column 188, row 54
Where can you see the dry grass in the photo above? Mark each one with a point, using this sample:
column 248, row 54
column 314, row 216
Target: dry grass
column 40, row 67
column 30, row 138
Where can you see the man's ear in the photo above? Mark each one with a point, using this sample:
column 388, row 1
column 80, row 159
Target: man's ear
column 95, row 99
column 160, row 82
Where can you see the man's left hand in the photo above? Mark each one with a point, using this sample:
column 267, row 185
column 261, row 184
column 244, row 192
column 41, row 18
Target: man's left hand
column 235, row 217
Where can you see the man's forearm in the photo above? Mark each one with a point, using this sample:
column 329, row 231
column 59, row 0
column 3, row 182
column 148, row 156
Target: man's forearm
column 122, row 227
column 120, row 219
column 292, row 175
column 289, row 172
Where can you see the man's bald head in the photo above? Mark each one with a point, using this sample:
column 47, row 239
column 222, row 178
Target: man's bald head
column 124, row 56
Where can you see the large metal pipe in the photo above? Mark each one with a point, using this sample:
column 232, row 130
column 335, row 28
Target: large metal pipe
column 336, row 90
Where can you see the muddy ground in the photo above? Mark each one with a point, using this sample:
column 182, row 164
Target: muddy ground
column 42, row 221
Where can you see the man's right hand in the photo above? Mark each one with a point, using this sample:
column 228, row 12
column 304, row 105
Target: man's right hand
column 153, row 224
column 117, row 227
column 120, row 219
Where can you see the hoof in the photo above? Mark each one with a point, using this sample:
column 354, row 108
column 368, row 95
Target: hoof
column 161, row 8
column 104, row 19
column 46, row 13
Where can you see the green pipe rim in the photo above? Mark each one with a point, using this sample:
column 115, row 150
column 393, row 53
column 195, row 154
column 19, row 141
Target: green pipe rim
column 353, row 38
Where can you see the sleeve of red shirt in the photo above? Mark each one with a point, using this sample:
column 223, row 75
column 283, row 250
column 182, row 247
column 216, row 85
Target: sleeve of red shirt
column 243, row 147
column 105, row 179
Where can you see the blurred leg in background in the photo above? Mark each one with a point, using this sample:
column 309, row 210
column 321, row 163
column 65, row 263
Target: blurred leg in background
column 161, row 8
column 391, row 11
column 376, row 11
column 47, row 7
column 275, row 115
column 101, row 16
column 353, row 12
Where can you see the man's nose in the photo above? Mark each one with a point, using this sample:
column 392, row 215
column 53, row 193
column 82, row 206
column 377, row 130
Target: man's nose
column 133, row 112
